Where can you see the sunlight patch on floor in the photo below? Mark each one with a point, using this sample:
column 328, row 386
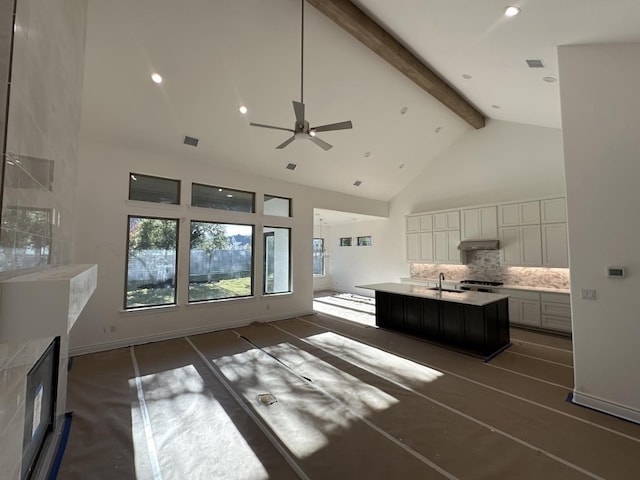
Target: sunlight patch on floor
column 304, row 417
column 338, row 306
column 193, row 435
column 387, row 365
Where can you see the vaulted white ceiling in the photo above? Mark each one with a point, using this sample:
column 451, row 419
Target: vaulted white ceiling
column 215, row 55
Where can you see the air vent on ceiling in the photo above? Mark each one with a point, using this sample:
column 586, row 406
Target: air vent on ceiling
column 191, row 141
column 357, row 183
column 535, row 63
column 291, row 166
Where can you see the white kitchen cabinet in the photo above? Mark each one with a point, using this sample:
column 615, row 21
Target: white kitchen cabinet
column 555, row 252
column 524, row 307
column 446, row 220
column 419, row 247
column 526, row 213
column 556, row 311
column 412, row 224
column 553, row 210
column 479, row 223
column 426, row 223
column 445, row 246
column 520, row 245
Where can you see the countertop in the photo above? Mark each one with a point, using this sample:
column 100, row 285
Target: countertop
column 510, row 287
column 478, row 299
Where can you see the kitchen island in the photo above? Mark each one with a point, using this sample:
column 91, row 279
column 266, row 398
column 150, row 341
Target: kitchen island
column 474, row 322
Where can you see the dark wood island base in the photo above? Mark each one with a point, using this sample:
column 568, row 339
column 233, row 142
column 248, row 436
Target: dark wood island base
column 481, row 330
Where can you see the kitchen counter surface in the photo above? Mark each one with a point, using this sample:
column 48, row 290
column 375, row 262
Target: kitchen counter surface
column 510, row 287
column 469, row 298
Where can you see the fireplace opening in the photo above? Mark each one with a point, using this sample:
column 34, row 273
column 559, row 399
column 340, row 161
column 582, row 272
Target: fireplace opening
column 40, row 406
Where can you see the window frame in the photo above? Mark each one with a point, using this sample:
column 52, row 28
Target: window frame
column 264, row 261
column 126, row 269
column 253, row 197
column 264, row 201
column 324, row 267
column 252, row 268
column 178, row 192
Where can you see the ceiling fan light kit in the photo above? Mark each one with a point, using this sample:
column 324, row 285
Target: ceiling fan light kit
column 301, row 130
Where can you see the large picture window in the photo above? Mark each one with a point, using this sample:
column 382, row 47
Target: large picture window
column 220, row 261
column 318, row 256
column 151, row 262
column 277, row 260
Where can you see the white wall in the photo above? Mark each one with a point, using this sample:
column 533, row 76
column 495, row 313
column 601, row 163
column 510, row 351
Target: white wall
column 503, row 161
column 102, row 231
column 600, row 108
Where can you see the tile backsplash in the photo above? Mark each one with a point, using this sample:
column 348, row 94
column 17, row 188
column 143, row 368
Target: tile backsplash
column 485, row 265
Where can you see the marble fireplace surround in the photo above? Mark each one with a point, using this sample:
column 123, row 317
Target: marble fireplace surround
column 34, row 309
column 485, row 265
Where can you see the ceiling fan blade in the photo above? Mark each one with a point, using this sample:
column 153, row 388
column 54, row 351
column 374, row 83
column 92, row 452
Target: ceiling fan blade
column 271, row 126
column 286, row 142
column 333, row 126
column 321, row 143
column 298, row 108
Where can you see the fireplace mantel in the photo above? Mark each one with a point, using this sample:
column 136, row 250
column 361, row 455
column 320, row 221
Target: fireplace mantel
column 46, row 303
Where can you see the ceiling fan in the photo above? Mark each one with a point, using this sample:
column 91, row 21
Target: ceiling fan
column 301, row 129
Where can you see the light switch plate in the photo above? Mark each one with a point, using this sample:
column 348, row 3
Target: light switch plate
column 587, row 294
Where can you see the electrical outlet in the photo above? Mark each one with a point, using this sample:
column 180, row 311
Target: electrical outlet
column 587, row 294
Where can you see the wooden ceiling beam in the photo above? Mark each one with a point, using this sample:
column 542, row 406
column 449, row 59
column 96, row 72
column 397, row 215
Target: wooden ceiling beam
column 357, row 23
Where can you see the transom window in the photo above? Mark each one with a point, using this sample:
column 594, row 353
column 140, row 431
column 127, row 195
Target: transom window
column 221, row 198
column 278, row 206
column 154, row 189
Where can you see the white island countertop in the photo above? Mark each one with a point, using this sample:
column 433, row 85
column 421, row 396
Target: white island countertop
column 478, row 299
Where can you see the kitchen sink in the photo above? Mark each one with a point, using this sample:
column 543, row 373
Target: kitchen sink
column 450, row 290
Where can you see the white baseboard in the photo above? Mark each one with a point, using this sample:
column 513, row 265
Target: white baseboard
column 128, row 342
column 605, row 406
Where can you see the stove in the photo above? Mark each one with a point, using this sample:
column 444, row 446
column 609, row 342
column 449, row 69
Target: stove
column 478, row 285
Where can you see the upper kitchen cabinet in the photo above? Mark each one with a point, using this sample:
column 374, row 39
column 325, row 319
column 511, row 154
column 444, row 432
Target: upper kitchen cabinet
column 553, row 210
column 445, row 247
column 526, row 213
column 446, row 220
column 479, row 223
column 554, row 245
column 521, row 246
column 419, row 223
column 419, row 238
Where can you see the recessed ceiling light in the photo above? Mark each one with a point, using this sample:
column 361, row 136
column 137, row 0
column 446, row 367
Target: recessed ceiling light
column 403, row 110
column 366, row 154
column 550, row 79
column 357, row 183
column 466, row 76
column 156, row 78
column 243, row 109
column 511, row 11
column 437, row 130
column 291, row 166
column 401, row 166
column 495, row 106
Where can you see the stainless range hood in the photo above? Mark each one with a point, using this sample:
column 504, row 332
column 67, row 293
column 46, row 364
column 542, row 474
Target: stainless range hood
column 467, row 245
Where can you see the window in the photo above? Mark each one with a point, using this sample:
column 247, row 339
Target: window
column 278, row 206
column 25, row 237
column 151, row 262
column 220, row 261
column 277, row 264
column 318, row 256
column 222, row 198
column 154, row 189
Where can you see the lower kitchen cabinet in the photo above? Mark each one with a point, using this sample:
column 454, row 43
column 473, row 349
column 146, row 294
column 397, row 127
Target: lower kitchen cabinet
column 550, row 311
column 481, row 330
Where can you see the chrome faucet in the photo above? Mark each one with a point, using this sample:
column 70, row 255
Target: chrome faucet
column 440, row 278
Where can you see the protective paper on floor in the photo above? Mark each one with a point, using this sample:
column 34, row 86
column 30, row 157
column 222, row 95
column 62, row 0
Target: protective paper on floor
column 379, row 405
